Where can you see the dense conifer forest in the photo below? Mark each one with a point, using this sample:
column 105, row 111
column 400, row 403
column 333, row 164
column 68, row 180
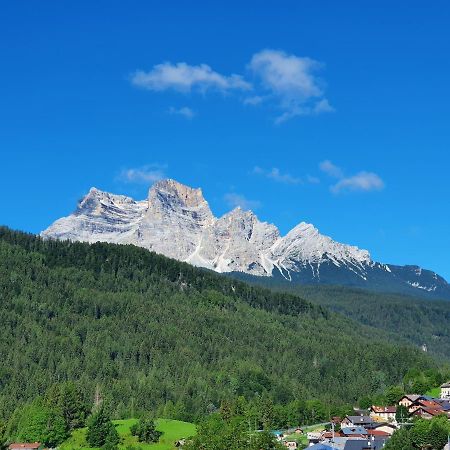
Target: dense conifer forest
column 148, row 333
column 418, row 321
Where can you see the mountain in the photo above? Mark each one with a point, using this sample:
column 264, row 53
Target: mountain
column 155, row 334
column 176, row 221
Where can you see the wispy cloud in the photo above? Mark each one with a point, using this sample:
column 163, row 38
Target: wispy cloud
column 362, row 181
column 276, row 175
column 313, row 180
column 183, row 77
column 254, row 100
column 331, row 169
column 234, row 200
column 145, row 174
column 285, row 81
column 291, row 80
column 184, row 111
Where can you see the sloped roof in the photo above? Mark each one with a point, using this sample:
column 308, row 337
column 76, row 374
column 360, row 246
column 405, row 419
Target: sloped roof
column 359, row 444
column 384, row 409
column 360, row 419
column 353, row 430
column 430, row 411
column 412, row 397
column 25, row 445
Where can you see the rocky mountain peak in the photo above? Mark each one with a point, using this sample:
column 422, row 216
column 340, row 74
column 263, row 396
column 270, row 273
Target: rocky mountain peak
column 176, row 194
column 176, row 221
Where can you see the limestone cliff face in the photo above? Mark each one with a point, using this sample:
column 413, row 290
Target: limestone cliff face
column 175, row 220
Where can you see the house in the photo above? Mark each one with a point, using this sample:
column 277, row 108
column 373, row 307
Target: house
column 365, row 444
column 355, row 421
column 321, row 447
column 292, row 445
column 26, row 446
column 427, row 413
column 379, row 434
column 350, row 443
column 314, row 437
column 387, row 428
column 445, row 404
column 383, row 413
column 298, row 430
column 445, row 390
column 329, row 435
column 431, row 404
column 408, row 400
column 353, row 431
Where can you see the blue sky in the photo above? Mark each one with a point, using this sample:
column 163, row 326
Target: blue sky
column 335, row 113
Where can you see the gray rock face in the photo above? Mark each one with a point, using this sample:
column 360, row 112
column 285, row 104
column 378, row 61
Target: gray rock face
column 176, row 221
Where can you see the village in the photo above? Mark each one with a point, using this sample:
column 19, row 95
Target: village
column 370, row 429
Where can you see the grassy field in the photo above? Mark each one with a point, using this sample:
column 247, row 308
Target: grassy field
column 172, row 429
column 435, row 392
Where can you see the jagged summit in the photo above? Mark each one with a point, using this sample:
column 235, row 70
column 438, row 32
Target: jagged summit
column 175, row 193
column 175, row 220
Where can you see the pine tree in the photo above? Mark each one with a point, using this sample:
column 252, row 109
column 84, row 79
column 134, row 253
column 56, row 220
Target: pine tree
column 101, row 430
column 146, row 431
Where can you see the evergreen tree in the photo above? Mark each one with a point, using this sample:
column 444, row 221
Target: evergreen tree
column 101, row 430
column 69, row 399
column 145, row 430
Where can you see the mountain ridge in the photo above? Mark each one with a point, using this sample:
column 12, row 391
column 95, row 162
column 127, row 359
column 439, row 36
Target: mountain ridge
column 176, row 221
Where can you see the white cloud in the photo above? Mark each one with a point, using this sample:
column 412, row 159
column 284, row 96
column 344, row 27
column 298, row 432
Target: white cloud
column 183, row 77
column 322, row 106
column 286, row 81
column 291, row 80
column 276, row 175
column 312, row 180
column 331, row 169
column 146, row 174
column 362, row 181
column 234, row 200
column 255, row 100
column 184, row 111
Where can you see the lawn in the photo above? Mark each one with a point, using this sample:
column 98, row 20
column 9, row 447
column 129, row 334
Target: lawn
column 172, row 429
column 435, row 392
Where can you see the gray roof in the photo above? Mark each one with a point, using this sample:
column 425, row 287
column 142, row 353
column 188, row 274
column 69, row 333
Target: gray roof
column 446, row 385
column 321, row 447
column 413, row 397
column 359, row 419
column 360, row 444
column 353, row 430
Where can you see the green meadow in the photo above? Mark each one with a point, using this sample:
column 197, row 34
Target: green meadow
column 173, row 430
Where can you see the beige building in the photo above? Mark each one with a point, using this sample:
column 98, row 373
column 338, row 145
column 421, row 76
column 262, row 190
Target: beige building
column 383, row 413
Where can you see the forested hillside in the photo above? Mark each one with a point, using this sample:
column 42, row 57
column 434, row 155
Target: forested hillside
column 150, row 333
column 420, row 322
column 423, row 322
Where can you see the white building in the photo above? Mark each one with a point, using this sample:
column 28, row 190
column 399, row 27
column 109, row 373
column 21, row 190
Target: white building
column 445, row 390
